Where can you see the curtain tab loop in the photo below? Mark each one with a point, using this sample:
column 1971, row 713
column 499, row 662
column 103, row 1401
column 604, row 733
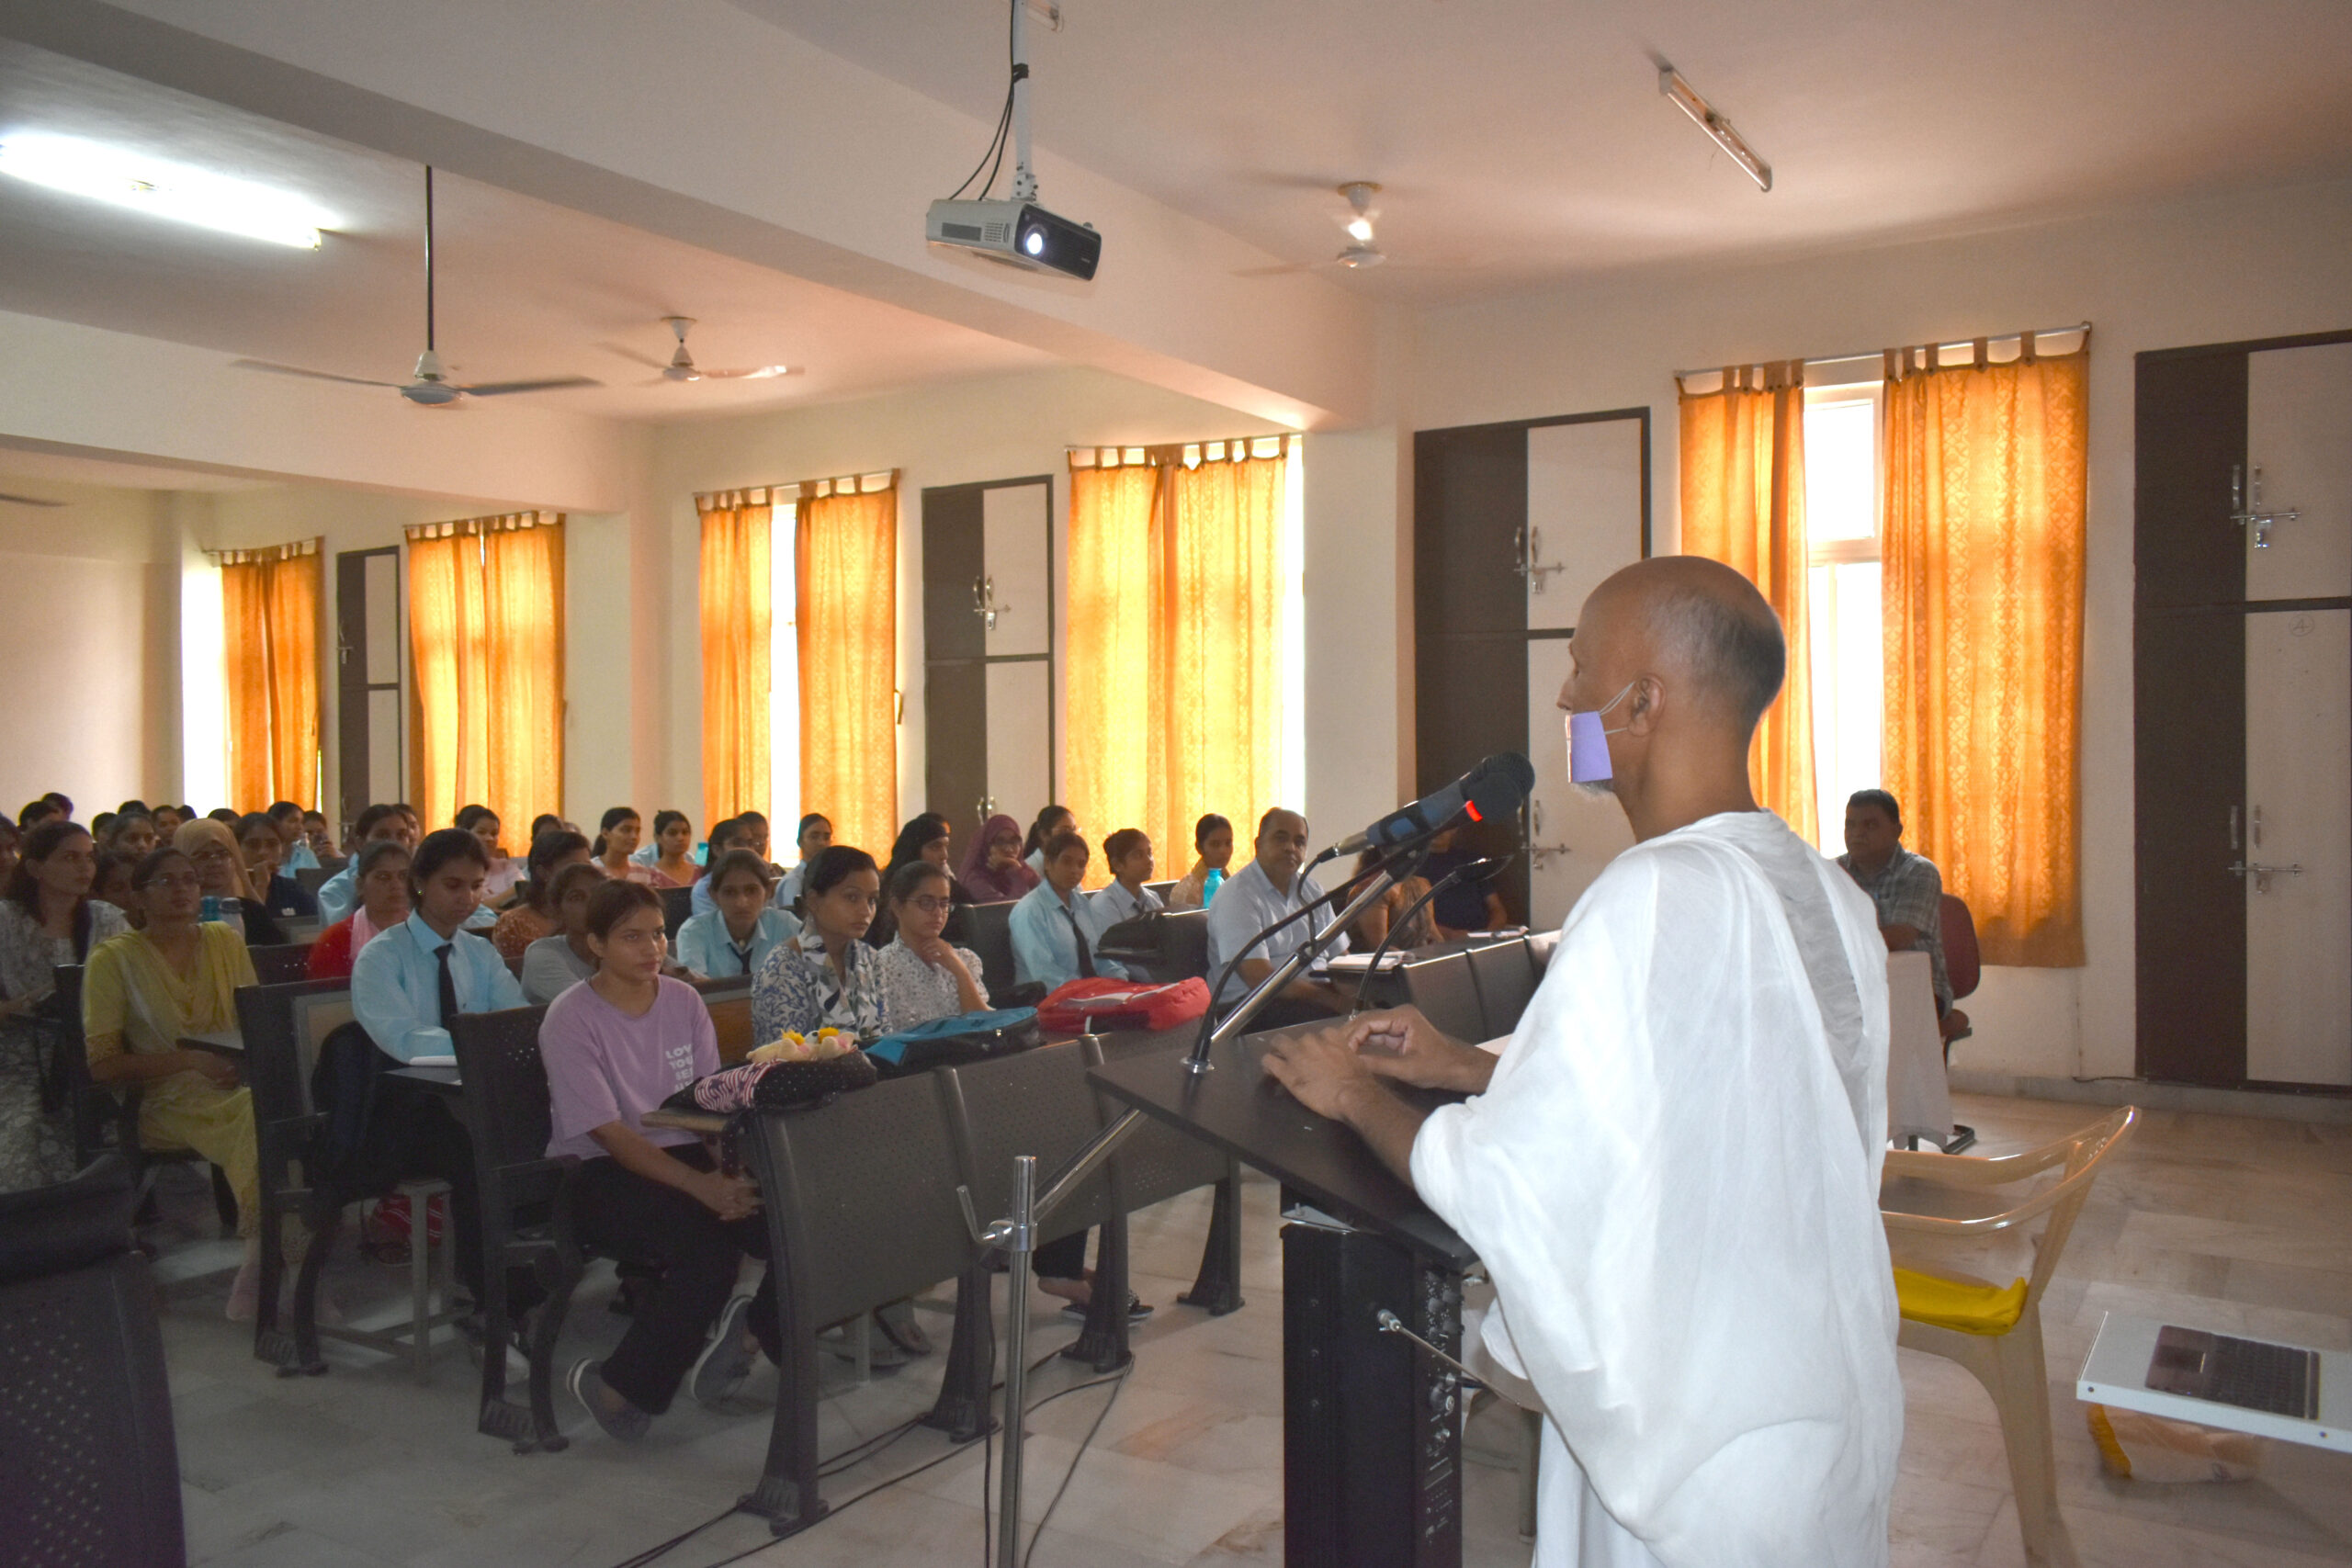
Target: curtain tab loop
column 1886, row 366
column 2025, row 349
column 1983, row 354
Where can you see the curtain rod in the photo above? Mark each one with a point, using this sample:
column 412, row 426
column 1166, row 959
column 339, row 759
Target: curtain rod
column 2082, row 327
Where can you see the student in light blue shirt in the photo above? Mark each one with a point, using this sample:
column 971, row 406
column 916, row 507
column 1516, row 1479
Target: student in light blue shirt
column 736, row 937
column 1051, row 821
column 339, row 894
column 287, row 817
column 735, row 833
column 1128, row 851
column 816, row 836
column 1047, row 946
column 396, row 980
column 396, row 995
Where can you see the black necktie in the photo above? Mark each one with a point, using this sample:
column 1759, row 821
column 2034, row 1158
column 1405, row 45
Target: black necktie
column 742, row 954
column 446, row 984
column 1085, row 959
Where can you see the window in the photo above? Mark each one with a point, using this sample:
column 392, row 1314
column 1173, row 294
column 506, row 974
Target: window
column 784, row 680
column 1841, row 483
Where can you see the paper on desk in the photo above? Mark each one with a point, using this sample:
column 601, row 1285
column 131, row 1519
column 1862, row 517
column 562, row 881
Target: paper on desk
column 432, row 1061
column 1359, row 963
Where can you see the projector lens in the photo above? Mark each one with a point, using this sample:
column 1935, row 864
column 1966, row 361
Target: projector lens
column 1034, row 242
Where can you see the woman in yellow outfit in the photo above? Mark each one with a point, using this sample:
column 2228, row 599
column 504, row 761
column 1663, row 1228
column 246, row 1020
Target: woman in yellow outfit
column 140, row 993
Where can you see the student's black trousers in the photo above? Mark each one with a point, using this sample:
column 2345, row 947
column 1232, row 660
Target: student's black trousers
column 697, row 1256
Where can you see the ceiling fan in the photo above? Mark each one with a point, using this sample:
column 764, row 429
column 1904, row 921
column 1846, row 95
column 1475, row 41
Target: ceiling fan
column 30, row 499
column 1362, row 250
column 430, row 385
column 681, row 366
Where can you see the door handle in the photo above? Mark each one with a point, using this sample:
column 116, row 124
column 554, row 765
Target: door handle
column 1526, row 544
column 2263, row 873
column 2245, row 507
column 984, row 603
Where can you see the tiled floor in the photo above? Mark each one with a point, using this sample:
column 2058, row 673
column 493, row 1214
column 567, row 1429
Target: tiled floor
column 2219, row 1221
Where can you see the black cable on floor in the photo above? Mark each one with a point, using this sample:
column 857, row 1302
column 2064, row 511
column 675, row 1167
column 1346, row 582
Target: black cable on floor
column 1118, row 1380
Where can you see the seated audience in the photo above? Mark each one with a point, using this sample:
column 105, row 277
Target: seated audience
column 921, row 976
column 287, row 818
column 1466, row 905
column 36, row 813
column 397, row 985
column 732, row 834
column 60, row 804
column 824, row 976
column 925, row 838
column 616, row 1048
column 11, row 839
column 544, row 822
column 1374, row 926
column 531, row 917
column 1051, row 821
column 131, row 833
column 993, row 871
column 168, row 819
column 616, row 837
column 1907, row 889
column 212, row 848
column 383, row 869
column 263, row 848
column 112, row 882
column 742, row 927
column 228, row 817
column 46, row 919
column 101, row 825
column 1048, row 949
column 339, row 892
column 816, row 836
column 756, row 831
column 142, row 992
column 1213, row 851
column 1128, row 851
column 316, row 839
column 673, row 850
column 555, row 964
column 483, row 824
column 1271, row 886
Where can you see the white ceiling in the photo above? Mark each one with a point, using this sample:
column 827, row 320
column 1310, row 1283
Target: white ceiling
column 526, row 289
column 1524, row 141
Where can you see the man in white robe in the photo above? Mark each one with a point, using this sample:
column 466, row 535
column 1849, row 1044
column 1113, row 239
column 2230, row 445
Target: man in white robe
column 1671, row 1169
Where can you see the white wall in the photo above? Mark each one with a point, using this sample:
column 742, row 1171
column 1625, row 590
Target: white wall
column 997, row 428
column 2251, row 265
column 89, row 633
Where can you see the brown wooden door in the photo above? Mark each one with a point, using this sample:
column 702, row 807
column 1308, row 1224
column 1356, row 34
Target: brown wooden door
column 370, row 712
column 986, row 545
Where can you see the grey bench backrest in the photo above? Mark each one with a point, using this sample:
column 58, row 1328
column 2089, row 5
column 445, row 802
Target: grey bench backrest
column 987, row 931
column 1157, row 1162
column 1447, row 995
column 1506, row 983
column 1037, row 1102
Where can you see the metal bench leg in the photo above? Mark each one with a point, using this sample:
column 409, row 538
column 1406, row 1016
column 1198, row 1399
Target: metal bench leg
column 1530, row 1446
column 786, row 1493
column 1218, row 1288
column 962, row 1410
column 306, row 1359
column 1103, row 1343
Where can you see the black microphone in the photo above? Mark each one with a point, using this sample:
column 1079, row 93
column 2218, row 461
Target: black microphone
column 1494, row 789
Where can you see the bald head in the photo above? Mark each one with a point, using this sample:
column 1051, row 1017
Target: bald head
column 1699, row 621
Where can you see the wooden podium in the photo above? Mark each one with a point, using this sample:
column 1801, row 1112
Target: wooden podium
column 1371, row 1446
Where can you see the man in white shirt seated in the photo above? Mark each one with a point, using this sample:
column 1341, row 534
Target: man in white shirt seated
column 1129, row 851
column 1269, row 887
column 1049, row 947
column 1671, row 1170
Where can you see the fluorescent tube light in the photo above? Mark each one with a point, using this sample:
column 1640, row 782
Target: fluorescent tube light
column 141, row 184
column 1702, row 114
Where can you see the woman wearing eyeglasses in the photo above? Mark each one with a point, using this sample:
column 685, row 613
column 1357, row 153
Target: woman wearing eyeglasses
column 144, row 992
column 921, row 974
column 220, row 863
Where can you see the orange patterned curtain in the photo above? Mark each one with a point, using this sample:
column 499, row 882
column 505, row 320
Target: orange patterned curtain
column 737, row 621
column 1981, row 530
column 486, row 648
column 1113, row 630
column 1743, row 503
column 847, row 559
column 269, row 602
column 1175, row 666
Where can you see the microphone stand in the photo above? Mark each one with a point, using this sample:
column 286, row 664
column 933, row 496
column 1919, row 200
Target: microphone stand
column 1017, row 1234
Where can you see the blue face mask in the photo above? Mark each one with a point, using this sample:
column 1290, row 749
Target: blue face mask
column 1588, row 743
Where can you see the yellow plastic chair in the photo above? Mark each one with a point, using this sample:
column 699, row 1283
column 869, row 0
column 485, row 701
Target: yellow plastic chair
column 1995, row 1330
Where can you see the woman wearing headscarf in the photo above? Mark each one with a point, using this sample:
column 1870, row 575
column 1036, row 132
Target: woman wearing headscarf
column 992, row 872
column 212, row 847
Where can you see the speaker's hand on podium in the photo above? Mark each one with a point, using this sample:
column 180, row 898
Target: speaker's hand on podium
column 1327, row 1075
column 1403, row 1045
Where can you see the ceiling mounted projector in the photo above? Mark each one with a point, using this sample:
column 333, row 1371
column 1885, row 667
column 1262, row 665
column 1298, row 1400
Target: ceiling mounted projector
column 1015, row 230
column 1020, row 233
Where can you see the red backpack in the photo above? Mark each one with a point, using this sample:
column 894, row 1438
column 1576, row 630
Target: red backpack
column 1103, row 1007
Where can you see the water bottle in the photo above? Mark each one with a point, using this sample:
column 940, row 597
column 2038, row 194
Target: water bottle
column 1209, row 885
column 232, row 915
column 210, row 908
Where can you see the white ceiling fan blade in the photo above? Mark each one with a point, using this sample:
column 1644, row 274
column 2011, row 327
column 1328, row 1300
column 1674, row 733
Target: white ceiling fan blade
column 502, row 388
column 32, row 500
column 764, row 373
column 310, row 375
